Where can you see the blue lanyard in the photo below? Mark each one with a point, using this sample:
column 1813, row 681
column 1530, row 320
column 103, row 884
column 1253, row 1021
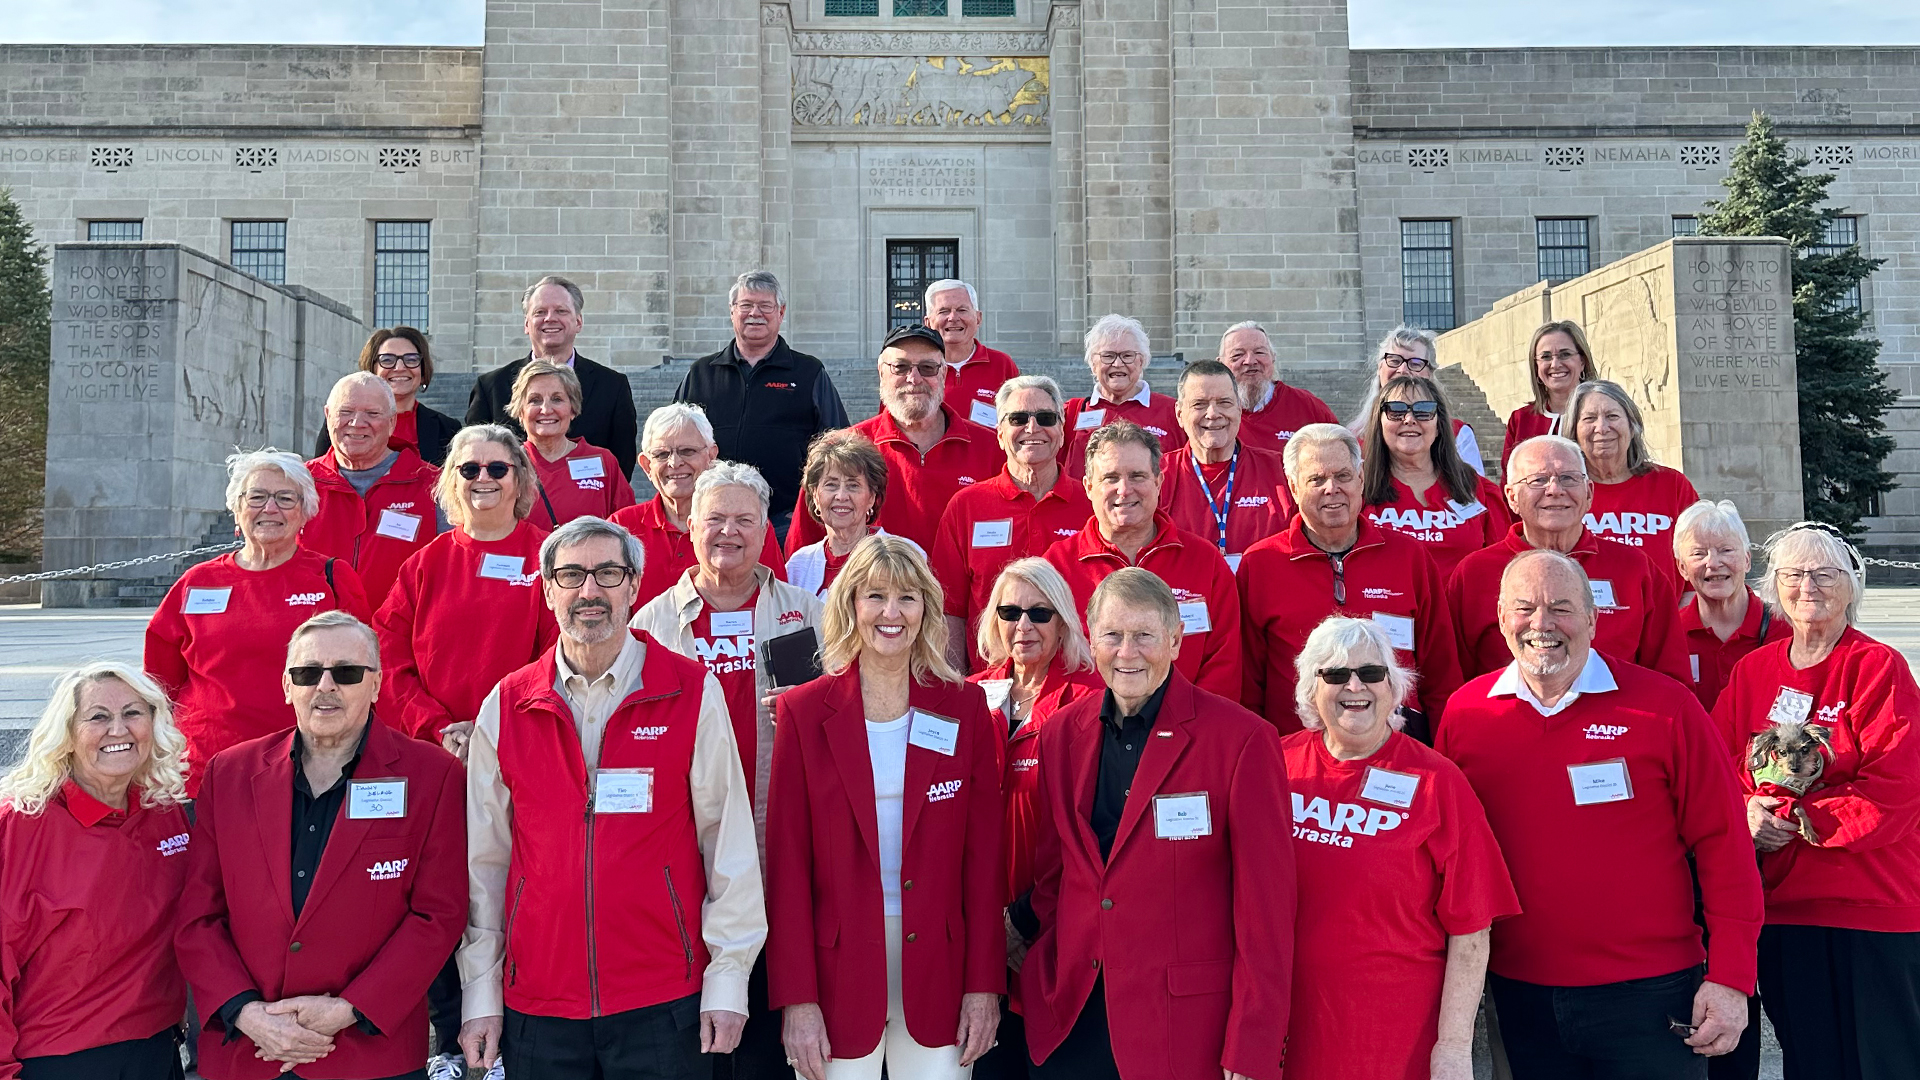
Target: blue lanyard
column 1225, row 506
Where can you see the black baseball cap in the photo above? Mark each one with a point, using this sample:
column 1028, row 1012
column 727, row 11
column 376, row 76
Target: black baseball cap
column 913, row 333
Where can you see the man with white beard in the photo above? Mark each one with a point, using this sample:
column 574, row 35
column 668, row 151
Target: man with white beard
column 1271, row 411
column 931, row 450
column 1601, row 780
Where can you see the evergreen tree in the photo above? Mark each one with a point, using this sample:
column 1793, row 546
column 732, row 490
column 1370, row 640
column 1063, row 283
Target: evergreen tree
column 1843, row 392
column 26, row 313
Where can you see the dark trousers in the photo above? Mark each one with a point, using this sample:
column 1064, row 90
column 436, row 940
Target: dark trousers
column 1743, row 1063
column 443, row 1009
column 155, row 1058
column 1845, row 1003
column 659, row 1042
column 1008, row 1058
column 1617, row 1031
column 1087, row 1053
column 761, row 1055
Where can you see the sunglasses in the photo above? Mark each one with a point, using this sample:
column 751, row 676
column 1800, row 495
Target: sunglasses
column 1045, row 418
column 1338, row 676
column 343, row 674
column 1041, row 616
column 497, row 469
column 1420, row 410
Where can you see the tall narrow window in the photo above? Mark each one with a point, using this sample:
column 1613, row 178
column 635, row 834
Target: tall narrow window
column 116, row 231
column 1564, row 249
column 1426, row 274
column 1686, row 225
column 912, row 265
column 400, row 273
column 1840, row 234
column 260, row 249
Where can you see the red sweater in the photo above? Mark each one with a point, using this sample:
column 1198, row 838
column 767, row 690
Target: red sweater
column 463, row 615
column 971, row 386
column 1086, row 416
column 1709, row 660
column 585, row 481
column 1641, row 623
column 1640, row 511
column 1287, row 589
column 1200, row 581
column 919, row 486
column 1865, row 872
column 1261, row 504
column 219, row 642
column 1605, row 888
column 87, row 897
column 1525, row 423
column 1450, row 532
column 969, row 552
column 1287, row 411
column 377, row 532
column 669, row 551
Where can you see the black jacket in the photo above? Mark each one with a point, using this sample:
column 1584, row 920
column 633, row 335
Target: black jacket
column 765, row 415
column 607, row 420
column 436, row 431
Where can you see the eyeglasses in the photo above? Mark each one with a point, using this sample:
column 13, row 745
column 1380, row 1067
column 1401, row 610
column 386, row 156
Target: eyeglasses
column 1422, row 411
column 764, row 307
column 389, row 361
column 1338, row 676
column 368, row 417
column 1565, row 480
column 1339, row 579
column 1040, row 614
column 1825, row 577
column 611, row 576
column 1043, row 417
column 497, row 469
column 343, row 674
column 1565, row 356
column 928, row 369
column 679, row 453
column 1395, row 362
column 1127, row 357
column 285, row 500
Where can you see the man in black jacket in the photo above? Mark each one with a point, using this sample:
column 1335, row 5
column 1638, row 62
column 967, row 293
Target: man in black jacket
column 607, row 420
column 766, row 401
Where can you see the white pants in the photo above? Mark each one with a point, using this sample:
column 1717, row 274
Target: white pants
column 904, row 1059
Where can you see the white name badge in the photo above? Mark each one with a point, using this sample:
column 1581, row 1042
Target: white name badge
column 1193, row 617
column 998, row 691
column 1398, row 628
column 377, row 800
column 1791, row 707
column 206, row 601
column 398, row 525
column 1466, row 511
column 1389, row 788
column 730, row 623
column 1602, row 594
column 585, row 468
column 981, row 412
column 929, row 731
column 1693, row 661
column 1090, row 419
column 623, row 791
column 991, row 534
column 1600, row 782
column 1182, row 817
column 1233, row 564
column 502, row 567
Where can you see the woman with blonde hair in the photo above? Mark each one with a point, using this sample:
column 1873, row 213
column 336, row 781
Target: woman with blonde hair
column 93, row 841
column 884, row 881
column 1558, row 359
column 576, row 478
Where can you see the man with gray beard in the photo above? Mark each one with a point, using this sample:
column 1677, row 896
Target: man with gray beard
column 931, row 450
column 1603, row 781
column 1271, row 411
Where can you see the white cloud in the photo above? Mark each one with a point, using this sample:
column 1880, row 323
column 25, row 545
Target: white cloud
column 369, row 22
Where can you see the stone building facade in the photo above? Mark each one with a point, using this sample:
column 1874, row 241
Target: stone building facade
column 1189, row 164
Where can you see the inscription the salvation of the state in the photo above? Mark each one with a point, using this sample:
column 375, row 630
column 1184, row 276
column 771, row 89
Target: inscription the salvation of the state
column 923, row 177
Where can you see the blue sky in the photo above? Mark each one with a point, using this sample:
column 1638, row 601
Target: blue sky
column 1376, row 23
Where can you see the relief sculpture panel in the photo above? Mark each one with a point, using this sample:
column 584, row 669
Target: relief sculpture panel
column 950, row 92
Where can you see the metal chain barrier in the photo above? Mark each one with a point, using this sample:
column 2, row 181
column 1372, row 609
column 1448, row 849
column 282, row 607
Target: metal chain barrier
column 81, row 571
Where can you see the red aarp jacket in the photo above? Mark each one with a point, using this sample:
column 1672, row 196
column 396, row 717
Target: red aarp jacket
column 386, row 908
column 1261, row 504
column 375, row 533
column 1020, row 760
column 1287, row 411
column 919, row 485
column 1193, row 936
column 825, row 923
column 971, row 386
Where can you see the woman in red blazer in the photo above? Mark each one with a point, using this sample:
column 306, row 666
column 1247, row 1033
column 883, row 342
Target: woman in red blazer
column 884, row 877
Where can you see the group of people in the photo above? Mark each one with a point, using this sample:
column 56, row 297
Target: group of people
column 1001, row 734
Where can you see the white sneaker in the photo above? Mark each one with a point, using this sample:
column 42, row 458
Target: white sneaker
column 498, row 1072
column 447, row 1067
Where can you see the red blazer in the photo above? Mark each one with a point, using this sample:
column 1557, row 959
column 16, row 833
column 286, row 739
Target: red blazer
column 386, row 908
column 825, row 923
column 1194, row 936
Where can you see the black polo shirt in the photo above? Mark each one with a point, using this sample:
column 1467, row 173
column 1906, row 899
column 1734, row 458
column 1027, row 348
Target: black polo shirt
column 1123, row 739
column 765, row 414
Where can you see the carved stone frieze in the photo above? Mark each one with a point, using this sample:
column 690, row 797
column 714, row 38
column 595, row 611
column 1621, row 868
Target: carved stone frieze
column 977, row 93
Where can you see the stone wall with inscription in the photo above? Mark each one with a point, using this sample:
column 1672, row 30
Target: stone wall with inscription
column 164, row 362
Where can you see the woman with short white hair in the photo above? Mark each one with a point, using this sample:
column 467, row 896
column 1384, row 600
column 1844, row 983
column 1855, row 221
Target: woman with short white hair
column 1411, row 352
column 93, row 842
column 1822, row 724
column 217, row 642
column 1723, row 618
column 1400, row 878
column 1117, row 351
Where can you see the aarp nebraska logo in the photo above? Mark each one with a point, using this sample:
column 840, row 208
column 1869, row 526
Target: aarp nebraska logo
column 944, row 790
column 387, row 870
column 590, row 485
column 173, row 845
column 400, row 506
column 1606, row 732
column 649, row 731
column 305, row 599
column 789, row 617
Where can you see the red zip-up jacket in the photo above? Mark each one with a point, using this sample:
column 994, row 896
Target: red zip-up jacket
column 1262, row 505
column 219, row 641
column 1865, row 872
column 1200, row 581
column 585, row 481
column 463, row 615
column 1642, row 624
column 1020, row 765
column 919, row 486
column 603, row 910
column 377, row 533
column 1711, row 660
column 971, row 386
column 967, row 570
column 87, row 898
column 1287, row 589
column 1085, row 416
column 1287, row 411
column 668, row 551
